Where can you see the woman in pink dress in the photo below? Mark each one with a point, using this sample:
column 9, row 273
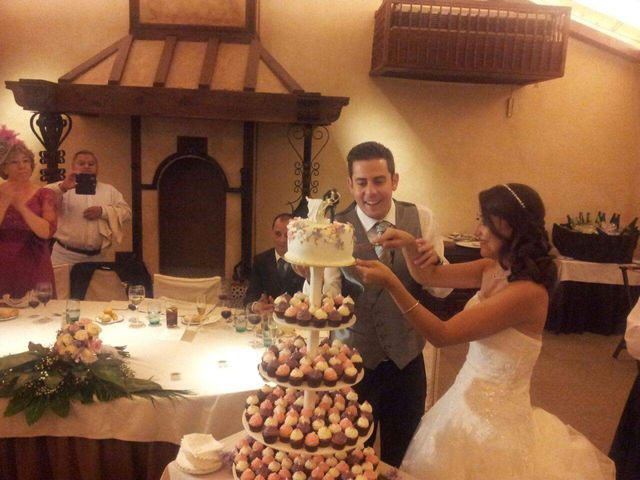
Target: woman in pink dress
column 27, row 221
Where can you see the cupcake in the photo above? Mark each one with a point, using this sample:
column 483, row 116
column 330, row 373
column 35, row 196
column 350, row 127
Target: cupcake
column 282, row 373
column 272, row 367
column 270, row 434
column 290, row 314
column 330, row 377
column 267, row 357
column 303, row 318
column 352, row 435
column 295, row 377
column 319, row 319
column 311, row 442
column 357, row 361
column 284, row 432
column 250, row 411
column 247, row 475
column 324, row 434
column 314, row 378
column 338, row 440
column 345, row 313
column 350, row 375
column 334, row 319
column 366, row 410
column 362, row 425
column 255, row 422
column 296, row 439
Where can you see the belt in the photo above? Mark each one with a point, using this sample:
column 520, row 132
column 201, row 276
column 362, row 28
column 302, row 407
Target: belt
column 90, row 253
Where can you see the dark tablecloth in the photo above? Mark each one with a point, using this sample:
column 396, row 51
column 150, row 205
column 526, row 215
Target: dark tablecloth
column 578, row 307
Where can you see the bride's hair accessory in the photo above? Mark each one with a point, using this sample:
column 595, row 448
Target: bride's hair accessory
column 514, row 195
column 8, row 140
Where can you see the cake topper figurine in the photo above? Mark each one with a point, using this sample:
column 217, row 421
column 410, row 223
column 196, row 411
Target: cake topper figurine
column 332, row 198
column 318, row 208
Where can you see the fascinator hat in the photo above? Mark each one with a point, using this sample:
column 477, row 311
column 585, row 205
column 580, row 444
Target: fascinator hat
column 8, row 140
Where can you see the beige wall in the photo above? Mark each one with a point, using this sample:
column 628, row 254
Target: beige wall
column 575, row 139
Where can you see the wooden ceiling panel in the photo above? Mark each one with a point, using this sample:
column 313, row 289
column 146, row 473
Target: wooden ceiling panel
column 227, row 13
column 230, row 67
column 142, row 63
column 186, row 65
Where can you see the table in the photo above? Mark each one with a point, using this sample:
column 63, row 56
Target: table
column 217, row 364
column 590, row 297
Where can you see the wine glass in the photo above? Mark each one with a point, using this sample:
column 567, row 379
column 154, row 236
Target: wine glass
column 136, row 295
column 201, row 305
column 33, row 299
column 44, row 291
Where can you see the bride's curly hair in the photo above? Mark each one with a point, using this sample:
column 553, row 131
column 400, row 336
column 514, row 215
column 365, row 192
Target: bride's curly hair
column 526, row 252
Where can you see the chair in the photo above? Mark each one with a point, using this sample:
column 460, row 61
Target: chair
column 431, row 356
column 186, row 289
column 61, row 275
column 106, row 285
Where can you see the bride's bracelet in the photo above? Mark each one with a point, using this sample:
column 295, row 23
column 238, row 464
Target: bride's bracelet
column 410, row 308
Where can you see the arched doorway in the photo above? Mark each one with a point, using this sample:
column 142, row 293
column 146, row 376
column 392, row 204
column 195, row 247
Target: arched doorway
column 192, row 216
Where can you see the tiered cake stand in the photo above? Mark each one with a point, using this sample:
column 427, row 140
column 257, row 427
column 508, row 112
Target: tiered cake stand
column 310, row 393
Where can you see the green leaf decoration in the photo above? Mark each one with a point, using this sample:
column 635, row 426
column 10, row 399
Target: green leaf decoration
column 61, row 406
column 17, row 360
column 35, row 410
column 37, row 348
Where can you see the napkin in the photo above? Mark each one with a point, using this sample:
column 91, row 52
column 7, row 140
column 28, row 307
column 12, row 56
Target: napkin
column 15, row 302
column 199, row 452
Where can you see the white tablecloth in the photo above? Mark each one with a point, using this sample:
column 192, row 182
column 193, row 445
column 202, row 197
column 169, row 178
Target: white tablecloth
column 570, row 270
column 218, row 365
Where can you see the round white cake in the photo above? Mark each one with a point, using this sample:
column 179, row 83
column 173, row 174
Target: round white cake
column 316, row 244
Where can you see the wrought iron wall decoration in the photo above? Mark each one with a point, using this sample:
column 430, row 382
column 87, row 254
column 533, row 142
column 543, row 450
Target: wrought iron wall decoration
column 306, row 167
column 53, row 129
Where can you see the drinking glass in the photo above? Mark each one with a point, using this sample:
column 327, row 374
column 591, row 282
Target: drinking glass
column 72, row 311
column 240, row 322
column 201, row 306
column 136, row 295
column 44, row 291
column 254, row 320
column 154, row 312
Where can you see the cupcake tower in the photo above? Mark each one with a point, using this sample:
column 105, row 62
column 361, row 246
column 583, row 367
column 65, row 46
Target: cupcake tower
column 311, row 423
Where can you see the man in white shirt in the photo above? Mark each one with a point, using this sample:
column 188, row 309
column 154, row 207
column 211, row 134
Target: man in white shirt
column 87, row 224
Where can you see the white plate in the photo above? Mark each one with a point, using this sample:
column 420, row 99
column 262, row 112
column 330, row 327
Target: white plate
column 468, row 244
column 4, row 319
column 184, row 319
column 193, row 471
column 102, row 322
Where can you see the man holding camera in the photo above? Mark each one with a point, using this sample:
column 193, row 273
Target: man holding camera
column 90, row 214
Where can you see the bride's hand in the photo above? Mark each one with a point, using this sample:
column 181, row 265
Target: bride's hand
column 395, row 238
column 373, row 272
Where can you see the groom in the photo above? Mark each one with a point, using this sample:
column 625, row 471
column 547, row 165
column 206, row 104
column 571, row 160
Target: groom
column 394, row 381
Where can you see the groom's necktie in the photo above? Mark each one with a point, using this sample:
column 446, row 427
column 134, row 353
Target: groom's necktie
column 383, row 254
column 282, row 268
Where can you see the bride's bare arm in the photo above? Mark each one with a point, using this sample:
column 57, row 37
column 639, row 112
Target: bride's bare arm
column 522, row 304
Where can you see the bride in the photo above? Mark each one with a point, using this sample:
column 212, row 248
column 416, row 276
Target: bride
column 484, row 426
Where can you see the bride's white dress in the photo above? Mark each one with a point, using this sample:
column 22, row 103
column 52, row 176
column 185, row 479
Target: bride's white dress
column 484, row 427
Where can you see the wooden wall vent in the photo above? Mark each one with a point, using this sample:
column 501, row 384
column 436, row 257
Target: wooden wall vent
column 473, row 41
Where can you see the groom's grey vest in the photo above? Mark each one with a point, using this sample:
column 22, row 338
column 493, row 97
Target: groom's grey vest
column 381, row 332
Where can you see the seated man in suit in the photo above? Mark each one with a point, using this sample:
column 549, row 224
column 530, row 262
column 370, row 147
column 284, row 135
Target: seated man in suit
column 271, row 275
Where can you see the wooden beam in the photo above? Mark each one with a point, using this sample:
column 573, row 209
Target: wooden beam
column 209, row 63
column 136, row 185
column 247, row 174
column 134, row 15
column 251, row 14
column 605, row 41
column 192, row 33
column 92, row 62
column 121, row 60
column 165, row 61
column 251, row 72
column 307, row 108
column 279, row 71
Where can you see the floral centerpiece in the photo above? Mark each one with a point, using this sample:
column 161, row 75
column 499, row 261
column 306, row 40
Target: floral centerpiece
column 78, row 367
